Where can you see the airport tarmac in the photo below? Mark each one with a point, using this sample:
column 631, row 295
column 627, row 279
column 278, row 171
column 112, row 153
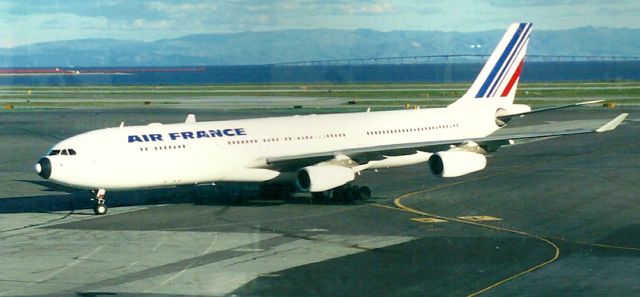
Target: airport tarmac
column 552, row 217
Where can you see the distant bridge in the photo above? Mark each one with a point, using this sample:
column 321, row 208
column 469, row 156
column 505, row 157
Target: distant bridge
column 466, row 58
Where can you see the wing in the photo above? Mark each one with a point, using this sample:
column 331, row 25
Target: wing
column 364, row 154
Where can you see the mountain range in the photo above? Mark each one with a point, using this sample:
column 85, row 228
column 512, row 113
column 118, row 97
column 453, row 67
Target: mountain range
column 250, row 48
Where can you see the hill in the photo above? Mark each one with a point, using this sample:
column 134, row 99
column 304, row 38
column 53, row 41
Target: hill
column 250, row 48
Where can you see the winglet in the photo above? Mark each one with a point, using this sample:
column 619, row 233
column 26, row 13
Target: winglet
column 191, row 118
column 613, row 123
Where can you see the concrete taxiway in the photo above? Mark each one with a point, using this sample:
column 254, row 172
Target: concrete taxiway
column 552, row 217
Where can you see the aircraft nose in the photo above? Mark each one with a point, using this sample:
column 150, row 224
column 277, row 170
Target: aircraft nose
column 43, row 168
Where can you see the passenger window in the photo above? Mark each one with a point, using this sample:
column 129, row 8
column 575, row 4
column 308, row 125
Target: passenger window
column 54, row 152
column 72, row 152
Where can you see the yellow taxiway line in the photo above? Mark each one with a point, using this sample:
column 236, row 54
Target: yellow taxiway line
column 429, row 217
column 398, row 203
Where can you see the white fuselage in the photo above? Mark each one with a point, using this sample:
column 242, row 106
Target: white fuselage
column 159, row 155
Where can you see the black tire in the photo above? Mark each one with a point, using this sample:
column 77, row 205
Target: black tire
column 276, row 191
column 354, row 193
column 364, row 192
column 268, row 191
column 100, row 209
column 338, row 193
column 321, row 197
column 286, row 192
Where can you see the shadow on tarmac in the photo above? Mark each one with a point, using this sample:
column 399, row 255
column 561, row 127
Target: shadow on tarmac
column 456, row 266
column 222, row 194
column 76, row 199
column 49, row 186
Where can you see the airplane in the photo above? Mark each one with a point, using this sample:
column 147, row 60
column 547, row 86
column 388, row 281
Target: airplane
column 319, row 154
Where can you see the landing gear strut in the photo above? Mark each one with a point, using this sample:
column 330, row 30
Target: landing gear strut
column 100, row 207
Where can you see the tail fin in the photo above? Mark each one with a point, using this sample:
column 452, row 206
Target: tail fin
column 498, row 79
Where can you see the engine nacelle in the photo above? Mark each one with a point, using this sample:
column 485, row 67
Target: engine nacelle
column 456, row 163
column 323, row 177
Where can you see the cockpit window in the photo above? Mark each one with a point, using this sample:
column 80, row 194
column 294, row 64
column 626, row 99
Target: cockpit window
column 64, row 152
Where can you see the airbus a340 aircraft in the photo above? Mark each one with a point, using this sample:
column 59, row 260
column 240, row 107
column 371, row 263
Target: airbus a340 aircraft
column 321, row 154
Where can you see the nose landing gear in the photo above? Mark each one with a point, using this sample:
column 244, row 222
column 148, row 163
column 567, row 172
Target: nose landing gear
column 100, row 207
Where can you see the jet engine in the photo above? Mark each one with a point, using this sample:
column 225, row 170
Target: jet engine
column 320, row 178
column 456, row 163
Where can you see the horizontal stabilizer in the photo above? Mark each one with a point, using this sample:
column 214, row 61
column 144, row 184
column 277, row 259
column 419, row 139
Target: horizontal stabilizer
column 507, row 117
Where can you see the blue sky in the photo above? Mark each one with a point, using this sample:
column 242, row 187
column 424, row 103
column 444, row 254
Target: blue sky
column 32, row 21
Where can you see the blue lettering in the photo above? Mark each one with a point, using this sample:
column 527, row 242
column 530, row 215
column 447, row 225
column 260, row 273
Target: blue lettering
column 145, row 137
column 200, row 134
column 187, row 135
column 174, row 135
column 215, row 133
column 228, row 132
column 240, row 131
column 155, row 137
column 134, row 138
column 190, row 135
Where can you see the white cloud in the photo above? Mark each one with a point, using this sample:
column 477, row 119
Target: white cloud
column 142, row 24
column 264, row 19
column 27, row 29
column 368, row 8
column 8, row 43
column 26, row 22
column 185, row 8
column 290, row 6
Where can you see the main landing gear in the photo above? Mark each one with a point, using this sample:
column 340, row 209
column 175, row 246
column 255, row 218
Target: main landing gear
column 278, row 191
column 100, row 207
column 346, row 193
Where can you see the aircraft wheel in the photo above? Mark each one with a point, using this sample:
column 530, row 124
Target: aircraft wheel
column 100, row 209
column 364, row 192
column 276, row 191
column 320, row 196
column 338, row 193
column 349, row 193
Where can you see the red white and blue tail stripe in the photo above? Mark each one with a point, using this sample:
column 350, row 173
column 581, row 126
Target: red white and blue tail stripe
column 499, row 76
